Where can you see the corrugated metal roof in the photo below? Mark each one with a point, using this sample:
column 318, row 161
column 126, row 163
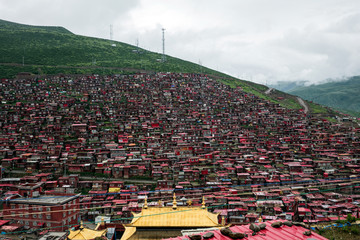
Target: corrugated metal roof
column 269, row 233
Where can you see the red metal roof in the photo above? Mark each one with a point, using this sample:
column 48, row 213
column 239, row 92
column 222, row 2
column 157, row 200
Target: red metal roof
column 269, row 233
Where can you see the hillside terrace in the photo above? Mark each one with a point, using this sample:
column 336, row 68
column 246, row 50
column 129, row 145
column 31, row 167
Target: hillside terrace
column 189, row 133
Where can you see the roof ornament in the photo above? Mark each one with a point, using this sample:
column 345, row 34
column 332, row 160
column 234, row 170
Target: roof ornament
column 174, row 202
column 145, row 203
column 189, row 202
column 203, row 202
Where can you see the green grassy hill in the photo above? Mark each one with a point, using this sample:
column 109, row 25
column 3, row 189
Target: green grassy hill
column 342, row 95
column 40, row 49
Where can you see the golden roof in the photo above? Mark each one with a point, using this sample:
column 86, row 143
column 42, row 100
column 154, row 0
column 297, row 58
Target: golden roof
column 85, row 234
column 167, row 217
column 129, row 231
column 179, row 217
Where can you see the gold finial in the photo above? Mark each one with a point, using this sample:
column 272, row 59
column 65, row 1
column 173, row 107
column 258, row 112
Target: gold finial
column 260, row 219
column 189, row 202
column 203, row 202
column 174, row 202
column 145, row 203
column 160, row 203
column 102, row 221
column 222, row 221
column 81, row 225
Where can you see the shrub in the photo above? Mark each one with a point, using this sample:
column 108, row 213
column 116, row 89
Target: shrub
column 355, row 230
column 350, row 218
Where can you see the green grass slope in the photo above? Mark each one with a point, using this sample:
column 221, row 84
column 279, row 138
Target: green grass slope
column 54, row 49
column 342, row 95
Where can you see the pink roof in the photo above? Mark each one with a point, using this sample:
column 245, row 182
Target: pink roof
column 269, row 233
column 3, row 222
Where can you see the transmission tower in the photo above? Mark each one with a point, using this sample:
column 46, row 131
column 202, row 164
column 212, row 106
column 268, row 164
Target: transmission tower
column 163, row 59
column 111, row 36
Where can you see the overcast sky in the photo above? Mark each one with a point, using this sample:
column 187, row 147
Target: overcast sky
column 260, row 40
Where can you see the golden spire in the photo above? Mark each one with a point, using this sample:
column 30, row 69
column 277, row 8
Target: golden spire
column 189, row 202
column 145, row 203
column 174, row 202
column 160, row 203
column 203, row 202
column 222, row 221
column 81, row 225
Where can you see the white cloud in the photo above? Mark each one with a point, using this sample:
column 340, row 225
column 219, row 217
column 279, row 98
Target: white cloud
column 261, row 40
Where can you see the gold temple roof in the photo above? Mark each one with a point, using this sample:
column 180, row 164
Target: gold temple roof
column 180, row 217
column 85, row 233
column 167, row 217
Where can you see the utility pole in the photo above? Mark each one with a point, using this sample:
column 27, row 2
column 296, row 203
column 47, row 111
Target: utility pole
column 111, row 32
column 111, row 36
column 163, row 59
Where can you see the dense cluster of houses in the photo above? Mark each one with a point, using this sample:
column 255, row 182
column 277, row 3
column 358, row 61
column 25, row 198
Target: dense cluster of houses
column 249, row 157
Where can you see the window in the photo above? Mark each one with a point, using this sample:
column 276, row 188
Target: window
column 48, row 209
column 34, row 223
column 48, row 224
column 48, row 216
column 12, row 206
column 34, row 216
column 40, row 216
column 26, row 223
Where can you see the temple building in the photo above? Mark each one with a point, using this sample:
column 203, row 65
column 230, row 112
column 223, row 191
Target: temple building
column 168, row 221
column 85, row 233
column 100, row 232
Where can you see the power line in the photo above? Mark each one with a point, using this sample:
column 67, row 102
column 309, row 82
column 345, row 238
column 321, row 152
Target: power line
column 162, row 197
column 266, row 185
column 129, row 218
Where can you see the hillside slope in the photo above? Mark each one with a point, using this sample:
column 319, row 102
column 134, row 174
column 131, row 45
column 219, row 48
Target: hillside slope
column 342, row 95
column 39, row 49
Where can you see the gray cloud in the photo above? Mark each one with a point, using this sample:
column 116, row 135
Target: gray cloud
column 261, row 40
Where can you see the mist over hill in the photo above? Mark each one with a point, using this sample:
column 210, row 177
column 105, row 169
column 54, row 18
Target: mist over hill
column 342, row 95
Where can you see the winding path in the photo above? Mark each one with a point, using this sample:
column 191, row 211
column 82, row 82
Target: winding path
column 303, row 104
column 268, row 91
